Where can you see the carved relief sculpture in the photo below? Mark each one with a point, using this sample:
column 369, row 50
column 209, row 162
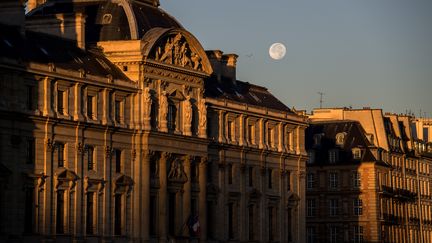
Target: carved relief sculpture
column 163, row 111
column 176, row 51
column 202, row 109
column 147, row 108
column 188, row 112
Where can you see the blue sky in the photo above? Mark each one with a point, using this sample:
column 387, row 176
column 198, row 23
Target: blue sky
column 375, row 53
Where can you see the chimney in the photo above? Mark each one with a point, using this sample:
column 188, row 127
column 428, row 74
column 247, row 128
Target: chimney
column 224, row 65
column 215, row 58
column 229, row 66
column 12, row 13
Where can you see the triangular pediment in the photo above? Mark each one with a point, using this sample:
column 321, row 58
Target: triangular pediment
column 177, row 95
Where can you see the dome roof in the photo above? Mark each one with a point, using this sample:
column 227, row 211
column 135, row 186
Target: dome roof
column 112, row 20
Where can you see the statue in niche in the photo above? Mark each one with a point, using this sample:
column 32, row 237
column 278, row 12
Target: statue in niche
column 176, row 51
column 203, row 113
column 176, row 170
column 163, row 105
column 147, row 102
column 188, row 111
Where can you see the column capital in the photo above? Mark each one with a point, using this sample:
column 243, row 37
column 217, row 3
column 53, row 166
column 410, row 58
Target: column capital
column 204, row 161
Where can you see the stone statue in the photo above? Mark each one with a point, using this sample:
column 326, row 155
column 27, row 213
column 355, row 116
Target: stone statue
column 188, row 111
column 147, row 102
column 163, row 106
column 196, row 59
column 176, row 170
column 203, row 113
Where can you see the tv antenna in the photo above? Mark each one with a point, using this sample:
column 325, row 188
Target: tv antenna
column 321, row 98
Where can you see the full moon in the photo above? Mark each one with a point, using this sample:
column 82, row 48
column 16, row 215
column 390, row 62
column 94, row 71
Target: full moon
column 277, row 51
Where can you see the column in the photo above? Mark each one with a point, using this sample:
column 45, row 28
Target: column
column 77, row 115
column 47, row 104
column 203, row 199
column 221, row 132
column 242, row 136
column 145, row 195
column 80, row 198
column 48, row 224
column 163, row 196
column 107, row 196
column 243, row 201
column 187, row 187
column 137, row 196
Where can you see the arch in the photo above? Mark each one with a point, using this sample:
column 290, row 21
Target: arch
column 133, row 25
column 158, row 39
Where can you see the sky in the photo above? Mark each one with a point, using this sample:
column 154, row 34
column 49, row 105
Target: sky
column 359, row 53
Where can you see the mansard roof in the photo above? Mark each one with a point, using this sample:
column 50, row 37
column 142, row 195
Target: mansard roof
column 355, row 137
column 112, row 20
column 45, row 49
column 243, row 92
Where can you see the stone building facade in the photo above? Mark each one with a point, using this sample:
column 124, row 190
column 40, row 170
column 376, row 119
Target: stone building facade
column 394, row 194
column 117, row 126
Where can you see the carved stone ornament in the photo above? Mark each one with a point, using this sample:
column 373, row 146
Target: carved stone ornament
column 147, row 102
column 176, row 51
column 122, row 184
column 202, row 108
column 50, row 145
column 176, row 172
column 108, row 151
column 65, row 179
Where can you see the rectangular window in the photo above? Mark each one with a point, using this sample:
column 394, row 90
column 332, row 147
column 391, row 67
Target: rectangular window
column 90, row 213
column 91, row 107
column 29, row 210
column 288, row 178
column 251, row 133
column 358, row 207
column 356, row 179
column 90, row 158
column 118, row 154
column 311, row 159
column 118, row 214
column 333, row 156
column 310, row 180
column 311, row 205
column 251, row 222
column 117, row 110
column 230, row 174
column 333, row 234
column 60, row 101
column 153, row 215
column 231, row 221
column 30, row 151
column 358, row 234
column 30, row 98
column 334, row 207
column 171, row 120
column 333, row 180
column 310, row 234
column 171, row 213
column 250, row 175
column 271, row 224
column 270, row 137
column 60, row 154
column 270, row 178
column 231, row 130
column 60, row 213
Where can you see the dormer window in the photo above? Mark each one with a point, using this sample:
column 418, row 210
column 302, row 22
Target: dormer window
column 357, row 153
column 317, row 139
column 340, row 138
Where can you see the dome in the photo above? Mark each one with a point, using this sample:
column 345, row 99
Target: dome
column 108, row 20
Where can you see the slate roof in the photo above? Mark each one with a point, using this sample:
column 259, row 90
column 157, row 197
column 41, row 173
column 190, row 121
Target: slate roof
column 44, row 49
column 243, row 92
column 146, row 15
column 354, row 138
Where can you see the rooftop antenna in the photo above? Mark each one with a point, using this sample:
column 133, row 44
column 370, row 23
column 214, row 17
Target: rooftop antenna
column 321, row 98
